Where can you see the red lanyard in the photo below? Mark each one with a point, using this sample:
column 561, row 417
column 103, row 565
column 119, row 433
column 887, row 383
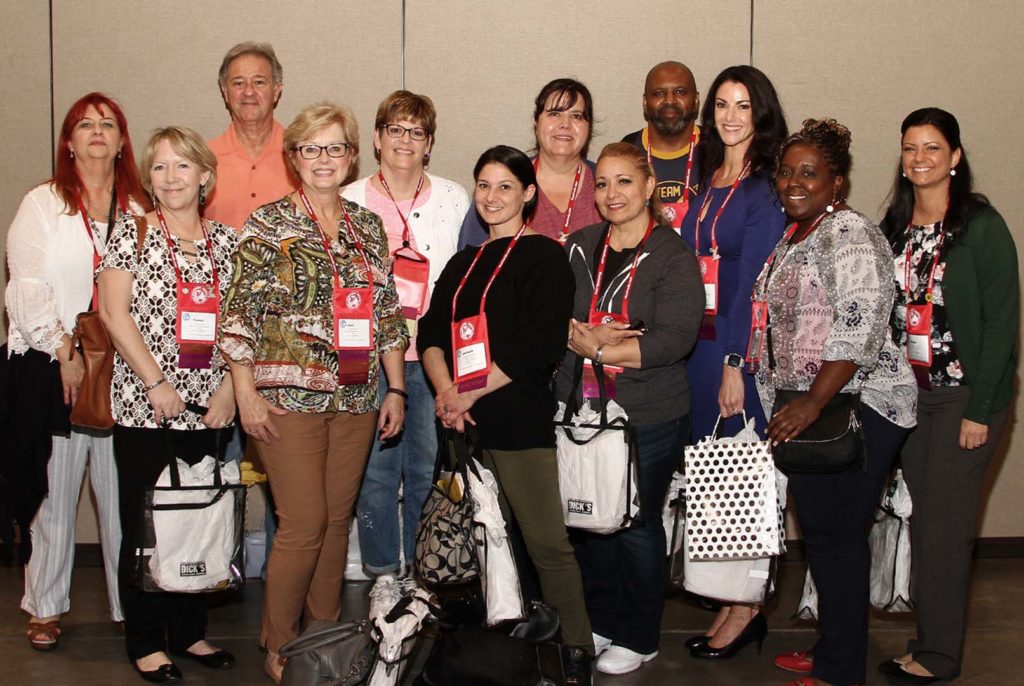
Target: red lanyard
column 718, row 215
column 327, row 243
column 935, row 261
column 599, row 279
column 689, row 157
column 170, row 249
column 572, row 196
column 501, row 263
column 405, row 222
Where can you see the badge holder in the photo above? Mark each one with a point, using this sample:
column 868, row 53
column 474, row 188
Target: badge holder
column 198, row 307
column 472, row 353
column 353, row 334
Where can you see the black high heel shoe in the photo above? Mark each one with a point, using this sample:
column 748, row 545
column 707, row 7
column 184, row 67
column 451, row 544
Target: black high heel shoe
column 755, row 630
column 696, row 641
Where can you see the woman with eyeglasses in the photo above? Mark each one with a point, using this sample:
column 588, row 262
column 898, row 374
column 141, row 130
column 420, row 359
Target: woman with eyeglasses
column 563, row 126
column 310, row 318
column 421, row 214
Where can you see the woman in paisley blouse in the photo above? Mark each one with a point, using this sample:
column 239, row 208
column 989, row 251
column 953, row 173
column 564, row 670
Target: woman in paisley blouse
column 310, row 318
column 963, row 269
column 156, row 373
column 828, row 285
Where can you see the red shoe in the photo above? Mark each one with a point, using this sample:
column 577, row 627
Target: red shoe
column 800, row 662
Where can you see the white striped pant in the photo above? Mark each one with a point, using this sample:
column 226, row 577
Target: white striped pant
column 48, row 573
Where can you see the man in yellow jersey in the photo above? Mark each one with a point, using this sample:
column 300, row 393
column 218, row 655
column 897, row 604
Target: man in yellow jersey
column 671, row 106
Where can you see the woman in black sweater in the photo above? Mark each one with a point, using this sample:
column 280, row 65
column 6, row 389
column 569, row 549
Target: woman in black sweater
column 505, row 308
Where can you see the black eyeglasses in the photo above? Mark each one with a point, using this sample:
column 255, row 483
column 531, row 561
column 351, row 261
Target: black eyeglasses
column 311, row 151
column 397, row 131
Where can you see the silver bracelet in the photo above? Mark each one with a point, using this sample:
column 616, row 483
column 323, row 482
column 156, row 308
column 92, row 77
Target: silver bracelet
column 599, row 353
column 155, row 384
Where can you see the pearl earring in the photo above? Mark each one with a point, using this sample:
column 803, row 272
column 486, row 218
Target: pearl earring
column 952, row 172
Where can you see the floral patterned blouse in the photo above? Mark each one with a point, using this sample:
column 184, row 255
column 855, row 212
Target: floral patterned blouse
column 277, row 316
column 829, row 298
column 946, row 369
column 154, row 308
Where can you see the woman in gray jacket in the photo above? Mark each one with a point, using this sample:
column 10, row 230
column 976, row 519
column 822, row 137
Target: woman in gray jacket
column 637, row 311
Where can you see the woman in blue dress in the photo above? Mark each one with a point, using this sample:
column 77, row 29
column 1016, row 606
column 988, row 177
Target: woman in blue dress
column 733, row 227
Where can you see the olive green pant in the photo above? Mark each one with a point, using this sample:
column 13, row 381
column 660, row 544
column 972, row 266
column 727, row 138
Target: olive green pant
column 528, row 484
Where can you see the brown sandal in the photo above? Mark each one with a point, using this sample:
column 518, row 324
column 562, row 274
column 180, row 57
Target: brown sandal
column 43, row 636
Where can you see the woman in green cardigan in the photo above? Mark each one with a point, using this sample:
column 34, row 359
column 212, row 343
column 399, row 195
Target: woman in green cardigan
column 956, row 315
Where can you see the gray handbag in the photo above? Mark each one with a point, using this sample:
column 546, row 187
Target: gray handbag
column 330, row 653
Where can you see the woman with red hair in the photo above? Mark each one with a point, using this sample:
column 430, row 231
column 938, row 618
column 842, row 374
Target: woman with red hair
column 53, row 247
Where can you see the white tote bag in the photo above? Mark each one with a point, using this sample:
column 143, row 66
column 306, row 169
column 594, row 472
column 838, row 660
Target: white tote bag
column 502, row 595
column 196, row 528
column 890, row 549
column 597, row 468
column 732, row 501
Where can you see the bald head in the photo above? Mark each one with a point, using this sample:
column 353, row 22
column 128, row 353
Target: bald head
column 671, row 101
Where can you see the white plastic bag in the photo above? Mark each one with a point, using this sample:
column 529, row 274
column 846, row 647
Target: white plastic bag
column 396, row 638
column 500, row 581
column 596, row 469
column 808, row 606
column 196, row 548
column 672, row 514
column 890, row 549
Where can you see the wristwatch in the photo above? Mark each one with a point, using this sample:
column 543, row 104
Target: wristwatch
column 733, row 360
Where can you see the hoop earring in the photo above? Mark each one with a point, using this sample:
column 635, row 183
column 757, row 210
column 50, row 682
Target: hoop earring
column 202, row 194
column 952, row 172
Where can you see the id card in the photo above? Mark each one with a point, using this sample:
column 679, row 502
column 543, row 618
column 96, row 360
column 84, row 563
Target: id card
column 919, row 334
column 353, row 334
column 709, row 275
column 758, row 333
column 198, row 307
column 471, row 352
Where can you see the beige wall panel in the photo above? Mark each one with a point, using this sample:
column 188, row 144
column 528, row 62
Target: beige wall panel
column 25, row 113
column 868, row 64
column 163, row 68
column 483, row 63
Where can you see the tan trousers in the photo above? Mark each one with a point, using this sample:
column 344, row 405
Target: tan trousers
column 314, row 471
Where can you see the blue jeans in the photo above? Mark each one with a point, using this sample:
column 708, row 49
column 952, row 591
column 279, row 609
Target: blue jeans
column 409, row 457
column 624, row 573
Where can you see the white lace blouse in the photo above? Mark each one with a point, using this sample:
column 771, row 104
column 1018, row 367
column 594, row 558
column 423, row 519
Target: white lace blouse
column 49, row 257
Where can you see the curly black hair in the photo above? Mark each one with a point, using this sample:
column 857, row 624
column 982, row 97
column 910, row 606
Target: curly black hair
column 828, row 136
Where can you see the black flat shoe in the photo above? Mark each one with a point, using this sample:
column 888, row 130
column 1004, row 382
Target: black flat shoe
column 896, row 675
column 696, row 641
column 755, row 631
column 164, row 674
column 221, row 659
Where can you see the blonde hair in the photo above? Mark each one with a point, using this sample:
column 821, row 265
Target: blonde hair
column 632, row 154
column 317, row 117
column 186, row 143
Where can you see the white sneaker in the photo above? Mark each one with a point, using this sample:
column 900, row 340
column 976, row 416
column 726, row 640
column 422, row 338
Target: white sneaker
column 601, row 644
column 619, row 660
column 384, row 594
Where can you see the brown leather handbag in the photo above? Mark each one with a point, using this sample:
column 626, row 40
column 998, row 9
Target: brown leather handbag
column 92, row 407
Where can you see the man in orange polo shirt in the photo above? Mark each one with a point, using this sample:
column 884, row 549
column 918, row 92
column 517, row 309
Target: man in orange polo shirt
column 251, row 167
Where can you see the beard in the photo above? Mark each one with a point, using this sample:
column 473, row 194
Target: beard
column 666, row 126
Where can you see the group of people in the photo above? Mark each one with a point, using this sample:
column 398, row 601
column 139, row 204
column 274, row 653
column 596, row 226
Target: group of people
column 354, row 316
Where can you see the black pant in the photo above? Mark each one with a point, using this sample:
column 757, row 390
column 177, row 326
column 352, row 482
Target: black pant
column 154, row 621
column 945, row 484
column 624, row 572
column 834, row 512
